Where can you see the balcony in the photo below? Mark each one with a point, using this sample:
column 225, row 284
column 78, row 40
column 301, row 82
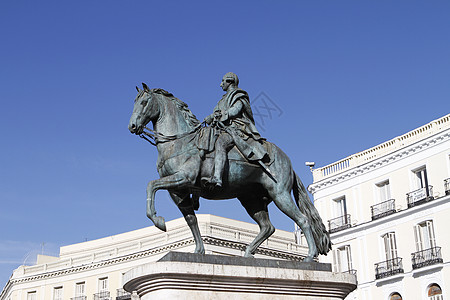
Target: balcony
column 123, row 295
column 388, row 268
column 447, row 186
column 420, row 196
column 105, row 295
column 352, row 272
column 426, row 257
column 383, row 209
column 79, row 298
column 339, row 223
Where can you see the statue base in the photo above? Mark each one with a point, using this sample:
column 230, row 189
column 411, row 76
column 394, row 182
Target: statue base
column 193, row 276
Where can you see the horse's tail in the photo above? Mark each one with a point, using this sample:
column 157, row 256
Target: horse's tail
column 320, row 234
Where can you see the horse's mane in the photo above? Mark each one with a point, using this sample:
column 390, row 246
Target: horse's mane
column 183, row 107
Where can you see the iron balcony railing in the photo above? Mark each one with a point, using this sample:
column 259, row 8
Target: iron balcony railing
column 426, row 257
column 79, row 298
column 388, row 268
column 447, row 186
column 123, row 295
column 383, row 209
column 105, row 295
column 352, row 272
column 420, row 196
column 339, row 223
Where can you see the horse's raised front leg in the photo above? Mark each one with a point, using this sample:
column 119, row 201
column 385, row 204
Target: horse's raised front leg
column 177, row 180
column 184, row 203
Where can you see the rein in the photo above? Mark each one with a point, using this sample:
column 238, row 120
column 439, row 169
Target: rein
column 158, row 137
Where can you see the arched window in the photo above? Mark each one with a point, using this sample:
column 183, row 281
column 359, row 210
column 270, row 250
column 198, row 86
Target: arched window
column 395, row 296
column 435, row 292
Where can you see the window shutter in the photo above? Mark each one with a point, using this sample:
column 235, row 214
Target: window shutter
column 418, row 237
column 431, row 236
column 394, row 244
column 334, row 261
column 349, row 258
column 337, row 260
column 387, row 247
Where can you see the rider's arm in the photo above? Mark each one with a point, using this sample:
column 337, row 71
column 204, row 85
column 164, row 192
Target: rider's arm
column 209, row 119
column 233, row 111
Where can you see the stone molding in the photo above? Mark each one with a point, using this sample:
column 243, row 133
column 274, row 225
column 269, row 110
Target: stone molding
column 196, row 280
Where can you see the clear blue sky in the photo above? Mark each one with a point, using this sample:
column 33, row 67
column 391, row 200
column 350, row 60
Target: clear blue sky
column 347, row 75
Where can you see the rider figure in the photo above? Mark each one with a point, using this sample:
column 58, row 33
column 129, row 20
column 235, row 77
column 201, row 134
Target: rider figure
column 234, row 118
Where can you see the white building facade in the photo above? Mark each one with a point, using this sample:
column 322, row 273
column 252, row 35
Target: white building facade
column 388, row 211
column 94, row 270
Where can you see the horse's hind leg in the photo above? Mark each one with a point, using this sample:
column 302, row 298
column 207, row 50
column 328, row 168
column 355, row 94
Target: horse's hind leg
column 184, row 203
column 285, row 203
column 257, row 209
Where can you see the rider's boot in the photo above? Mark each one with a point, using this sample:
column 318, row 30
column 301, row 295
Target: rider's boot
column 219, row 164
column 223, row 144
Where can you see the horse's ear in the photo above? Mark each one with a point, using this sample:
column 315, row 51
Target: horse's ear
column 137, row 89
column 145, row 87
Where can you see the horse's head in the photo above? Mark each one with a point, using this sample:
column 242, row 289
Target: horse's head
column 145, row 110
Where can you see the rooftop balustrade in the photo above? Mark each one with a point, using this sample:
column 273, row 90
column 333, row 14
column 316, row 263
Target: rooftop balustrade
column 382, row 149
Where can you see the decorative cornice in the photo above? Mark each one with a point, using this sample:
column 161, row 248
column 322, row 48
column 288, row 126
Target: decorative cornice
column 261, row 250
column 381, row 162
column 146, row 253
column 105, row 263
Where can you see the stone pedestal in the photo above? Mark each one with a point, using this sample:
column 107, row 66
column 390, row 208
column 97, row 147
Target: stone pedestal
column 192, row 276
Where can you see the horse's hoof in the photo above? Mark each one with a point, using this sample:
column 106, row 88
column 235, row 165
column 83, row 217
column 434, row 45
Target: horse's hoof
column 249, row 255
column 201, row 251
column 308, row 259
column 160, row 223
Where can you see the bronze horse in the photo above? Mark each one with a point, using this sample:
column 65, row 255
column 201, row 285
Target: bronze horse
column 181, row 164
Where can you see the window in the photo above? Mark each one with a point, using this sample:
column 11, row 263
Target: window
column 384, row 191
column 80, row 289
column 340, row 207
column 390, row 245
column 395, row 296
column 435, row 292
column 424, row 235
column 103, row 284
column 31, row 296
column 58, row 293
column 342, row 259
column 420, row 177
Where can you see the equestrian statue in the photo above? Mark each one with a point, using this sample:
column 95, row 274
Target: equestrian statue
column 221, row 158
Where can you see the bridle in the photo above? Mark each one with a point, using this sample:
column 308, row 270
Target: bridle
column 158, row 137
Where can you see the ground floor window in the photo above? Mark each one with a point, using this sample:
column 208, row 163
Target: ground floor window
column 435, row 292
column 395, row 296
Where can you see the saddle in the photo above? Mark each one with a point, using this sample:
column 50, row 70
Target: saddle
column 206, row 139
